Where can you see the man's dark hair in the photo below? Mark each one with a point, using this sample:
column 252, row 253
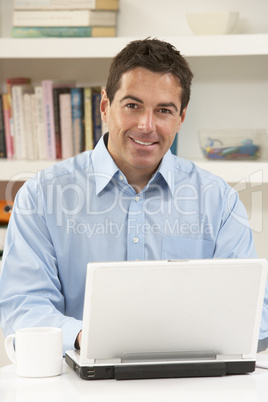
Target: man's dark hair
column 156, row 56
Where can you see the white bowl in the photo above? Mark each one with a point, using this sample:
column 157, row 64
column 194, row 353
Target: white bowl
column 212, row 23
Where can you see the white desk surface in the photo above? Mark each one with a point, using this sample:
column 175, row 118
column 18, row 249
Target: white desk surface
column 69, row 388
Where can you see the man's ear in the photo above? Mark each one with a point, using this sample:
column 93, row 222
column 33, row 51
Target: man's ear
column 182, row 118
column 104, row 106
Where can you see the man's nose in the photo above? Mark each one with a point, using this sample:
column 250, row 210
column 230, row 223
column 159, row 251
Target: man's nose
column 146, row 122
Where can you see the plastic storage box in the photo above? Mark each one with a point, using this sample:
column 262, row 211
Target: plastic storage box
column 232, row 144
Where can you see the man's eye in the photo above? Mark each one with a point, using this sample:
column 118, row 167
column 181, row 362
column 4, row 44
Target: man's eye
column 164, row 110
column 131, row 106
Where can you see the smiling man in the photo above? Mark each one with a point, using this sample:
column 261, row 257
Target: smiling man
column 143, row 120
column 128, row 199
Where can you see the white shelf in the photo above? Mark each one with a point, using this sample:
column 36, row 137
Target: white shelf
column 190, row 46
column 21, row 170
column 253, row 172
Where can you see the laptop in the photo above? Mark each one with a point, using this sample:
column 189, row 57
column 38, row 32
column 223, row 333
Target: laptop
column 173, row 318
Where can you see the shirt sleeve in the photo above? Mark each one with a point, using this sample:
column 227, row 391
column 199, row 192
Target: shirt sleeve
column 31, row 294
column 235, row 240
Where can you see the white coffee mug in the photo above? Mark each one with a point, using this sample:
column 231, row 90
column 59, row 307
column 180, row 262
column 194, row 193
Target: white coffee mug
column 37, row 352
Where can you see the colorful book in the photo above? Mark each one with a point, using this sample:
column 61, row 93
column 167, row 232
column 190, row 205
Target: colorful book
column 48, row 113
column 96, row 115
column 77, row 100
column 7, row 118
column 62, row 32
column 65, row 106
column 30, row 126
column 64, row 18
column 89, row 138
column 10, row 130
column 17, row 92
column 66, row 4
column 3, row 152
column 56, row 102
column 41, row 133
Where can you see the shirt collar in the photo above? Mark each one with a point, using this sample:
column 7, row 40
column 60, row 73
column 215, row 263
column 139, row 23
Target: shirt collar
column 105, row 171
column 166, row 170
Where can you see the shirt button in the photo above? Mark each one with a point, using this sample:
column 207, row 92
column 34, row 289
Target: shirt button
column 121, row 177
column 135, row 239
column 137, row 198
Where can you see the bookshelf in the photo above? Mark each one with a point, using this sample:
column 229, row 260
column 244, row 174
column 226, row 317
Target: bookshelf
column 40, row 57
column 229, row 89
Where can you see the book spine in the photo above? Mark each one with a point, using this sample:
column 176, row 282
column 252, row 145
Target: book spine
column 67, row 4
column 89, row 138
column 48, row 112
column 57, row 123
column 56, row 93
column 34, row 125
column 3, row 153
column 55, row 18
column 28, row 126
column 58, row 18
column 77, row 99
column 96, row 115
column 53, row 4
column 53, row 32
column 65, row 106
column 18, row 118
column 7, row 118
column 41, row 133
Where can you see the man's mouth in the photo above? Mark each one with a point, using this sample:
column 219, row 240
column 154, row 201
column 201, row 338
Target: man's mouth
column 142, row 142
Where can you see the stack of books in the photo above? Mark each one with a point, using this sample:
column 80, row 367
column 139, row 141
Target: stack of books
column 69, row 18
column 50, row 120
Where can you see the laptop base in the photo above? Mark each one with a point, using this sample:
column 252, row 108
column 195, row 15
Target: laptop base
column 151, row 371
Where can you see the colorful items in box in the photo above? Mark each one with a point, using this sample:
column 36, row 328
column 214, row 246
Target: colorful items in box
column 215, row 149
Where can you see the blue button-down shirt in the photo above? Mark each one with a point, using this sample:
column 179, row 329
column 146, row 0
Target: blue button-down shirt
column 83, row 210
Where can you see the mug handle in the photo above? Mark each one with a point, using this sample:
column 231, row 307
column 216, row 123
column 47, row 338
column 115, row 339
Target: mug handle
column 9, row 345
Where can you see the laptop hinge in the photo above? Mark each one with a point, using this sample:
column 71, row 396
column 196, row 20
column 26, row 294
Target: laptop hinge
column 107, row 361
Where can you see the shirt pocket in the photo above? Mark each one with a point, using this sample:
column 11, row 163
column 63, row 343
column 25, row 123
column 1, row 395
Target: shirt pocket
column 178, row 247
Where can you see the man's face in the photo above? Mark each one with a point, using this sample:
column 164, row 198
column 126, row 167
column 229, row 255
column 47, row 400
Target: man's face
column 142, row 120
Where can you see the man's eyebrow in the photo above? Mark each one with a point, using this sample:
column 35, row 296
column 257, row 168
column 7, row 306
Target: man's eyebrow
column 132, row 98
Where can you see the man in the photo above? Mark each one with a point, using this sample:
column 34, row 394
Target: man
column 128, row 199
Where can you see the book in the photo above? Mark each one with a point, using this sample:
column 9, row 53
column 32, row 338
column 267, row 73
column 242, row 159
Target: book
column 77, row 100
column 66, row 4
column 41, row 134
column 30, row 126
column 9, row 124
column 64, row 18
column 48, row 113
column 89, row 138
column 17, row 92
column 7, row 118
column 3, row 152
column 96, row 115
column 56, row 103
column 65, row 106
column 62, row 32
